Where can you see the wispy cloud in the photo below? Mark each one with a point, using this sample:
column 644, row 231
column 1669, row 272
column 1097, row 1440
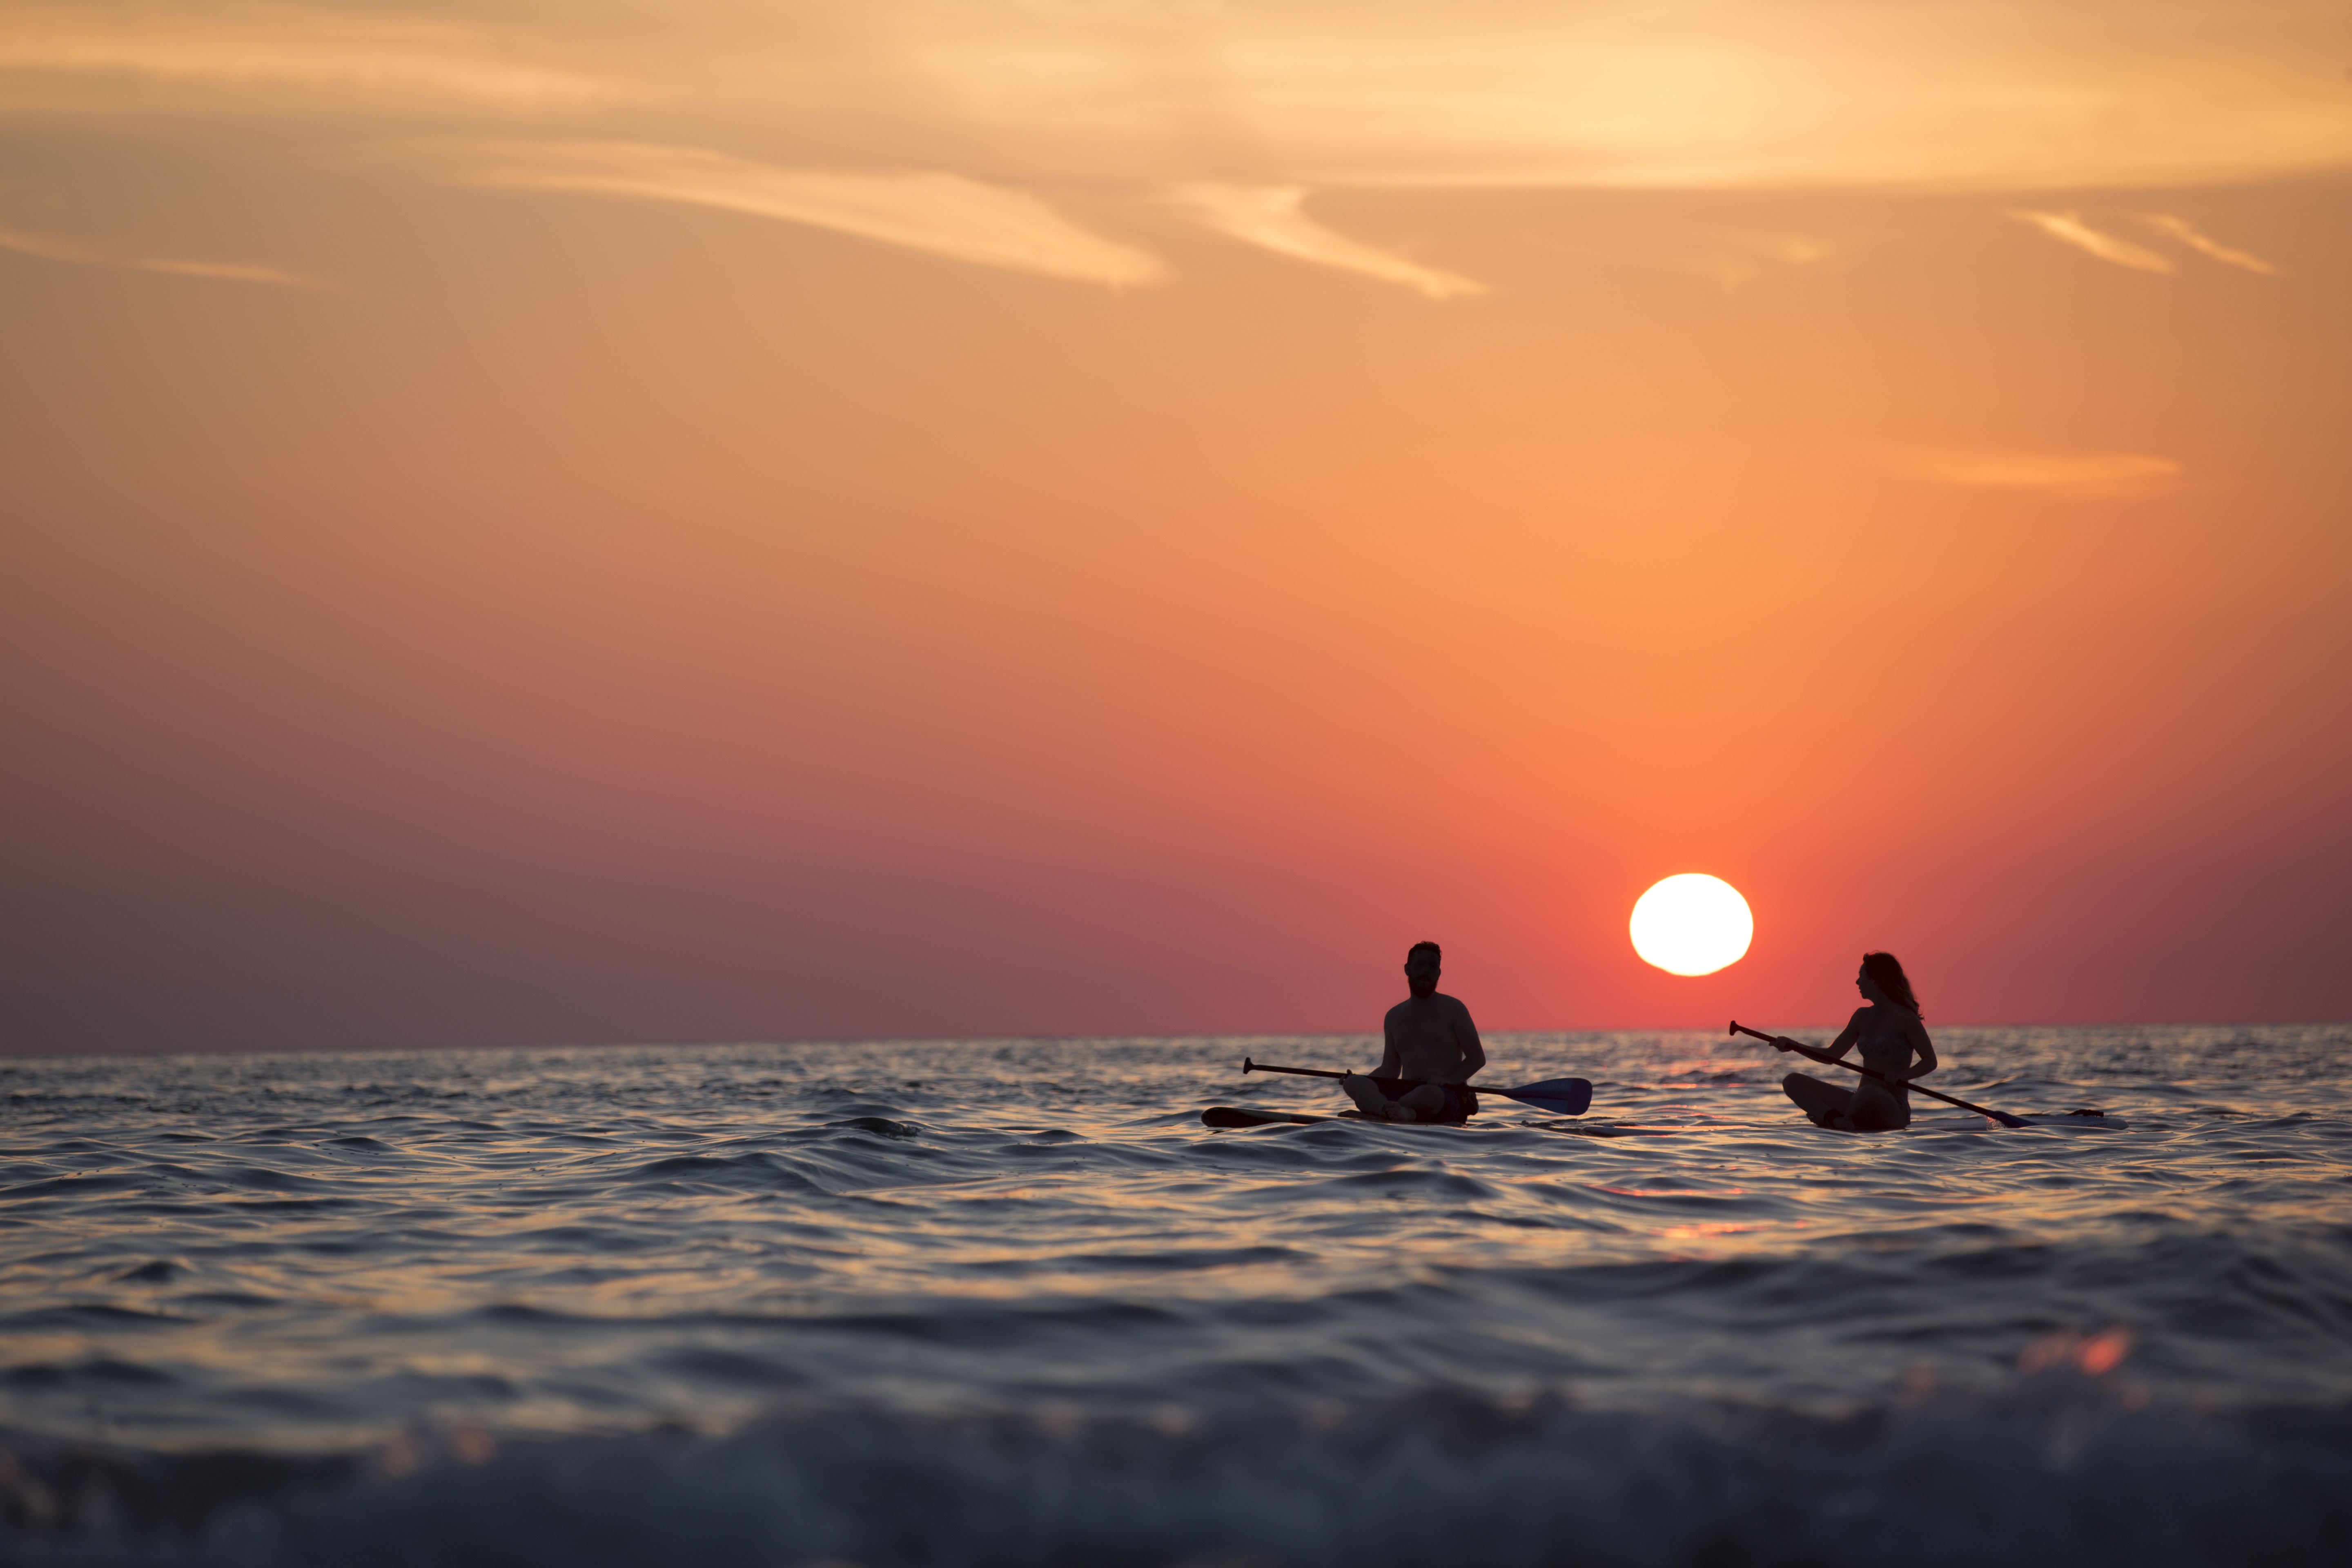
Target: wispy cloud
column 2068, row 228
column 1748, row 257
column 50, row 248
column 2187, row 233
column 1273, row 219
column 2010, row 95
column 2073, row 475
column 241, row 47
column 939, row 214
column 2003, row 95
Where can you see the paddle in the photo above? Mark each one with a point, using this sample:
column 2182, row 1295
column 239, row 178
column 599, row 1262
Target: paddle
column 1803, row 1049
column 1562, row 1096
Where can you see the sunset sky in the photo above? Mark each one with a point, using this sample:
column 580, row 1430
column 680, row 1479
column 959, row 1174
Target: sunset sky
column 612, row 520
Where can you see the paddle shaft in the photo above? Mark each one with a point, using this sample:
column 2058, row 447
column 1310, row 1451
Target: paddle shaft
column 1814, row 1054
column 1249, row 1066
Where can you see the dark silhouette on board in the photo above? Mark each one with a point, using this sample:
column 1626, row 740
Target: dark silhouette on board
column 1890, row 1034
column 1429, row 1036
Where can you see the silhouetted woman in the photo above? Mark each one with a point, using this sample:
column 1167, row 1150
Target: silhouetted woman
column 1889, row 1032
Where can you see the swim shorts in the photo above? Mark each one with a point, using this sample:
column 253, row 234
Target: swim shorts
column 1461, row 1100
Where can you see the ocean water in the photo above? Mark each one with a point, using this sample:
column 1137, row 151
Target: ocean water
column 1011, row 1303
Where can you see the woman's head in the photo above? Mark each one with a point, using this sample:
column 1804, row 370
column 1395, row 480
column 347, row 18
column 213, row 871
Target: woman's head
column 1888, row 974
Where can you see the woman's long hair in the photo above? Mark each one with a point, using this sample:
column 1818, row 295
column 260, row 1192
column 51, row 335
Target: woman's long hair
column 1888, row 974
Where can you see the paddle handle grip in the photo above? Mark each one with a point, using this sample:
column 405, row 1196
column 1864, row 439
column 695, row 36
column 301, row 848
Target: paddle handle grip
column 1815, row 1054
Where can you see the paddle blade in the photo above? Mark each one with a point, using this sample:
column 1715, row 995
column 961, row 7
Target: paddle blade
column 1560, row 1096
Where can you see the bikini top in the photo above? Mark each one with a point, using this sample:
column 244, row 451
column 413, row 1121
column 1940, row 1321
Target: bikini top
column 1886, row 1051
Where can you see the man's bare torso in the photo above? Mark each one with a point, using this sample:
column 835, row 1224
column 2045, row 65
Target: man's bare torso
column 1430, row 1038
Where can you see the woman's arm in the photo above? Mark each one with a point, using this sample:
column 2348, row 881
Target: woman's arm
column 1847, row 1037
column 1916, row 1032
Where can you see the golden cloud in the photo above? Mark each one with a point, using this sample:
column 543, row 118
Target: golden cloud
column 2188, row 234
column 938, row 214
column 2075, row 475
column 1271, row 218
column 2068, row 228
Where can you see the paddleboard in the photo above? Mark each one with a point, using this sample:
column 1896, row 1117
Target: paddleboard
column 1227, row 1116
column 1230, row 1116
column 2099, row 1118
column 2090, row 1121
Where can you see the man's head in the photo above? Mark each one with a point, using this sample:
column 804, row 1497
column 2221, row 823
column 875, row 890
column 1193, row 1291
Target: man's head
column 1421, row 962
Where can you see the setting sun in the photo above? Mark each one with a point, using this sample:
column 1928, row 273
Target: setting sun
column 1691, row 924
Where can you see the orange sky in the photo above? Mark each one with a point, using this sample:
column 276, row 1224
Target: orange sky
column 534, row 522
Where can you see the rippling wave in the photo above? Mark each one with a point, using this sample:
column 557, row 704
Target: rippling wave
column 994, row 1302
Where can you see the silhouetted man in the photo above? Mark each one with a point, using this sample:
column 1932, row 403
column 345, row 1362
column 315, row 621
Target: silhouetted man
column 1429, row 1037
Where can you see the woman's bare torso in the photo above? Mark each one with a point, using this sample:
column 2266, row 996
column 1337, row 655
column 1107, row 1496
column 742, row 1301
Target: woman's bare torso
column 1885, row 1047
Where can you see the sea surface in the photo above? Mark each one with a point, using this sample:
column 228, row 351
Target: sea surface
column 980, row 1303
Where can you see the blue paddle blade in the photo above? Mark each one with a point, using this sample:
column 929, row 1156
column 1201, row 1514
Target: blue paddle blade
column 1560, row 1096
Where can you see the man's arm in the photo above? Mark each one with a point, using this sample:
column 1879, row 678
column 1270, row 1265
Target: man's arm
column 1474, row 1051
column 1392, row 1064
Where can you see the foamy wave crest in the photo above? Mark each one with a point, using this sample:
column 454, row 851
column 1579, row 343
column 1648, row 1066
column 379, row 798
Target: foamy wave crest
column 2042, row 1478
